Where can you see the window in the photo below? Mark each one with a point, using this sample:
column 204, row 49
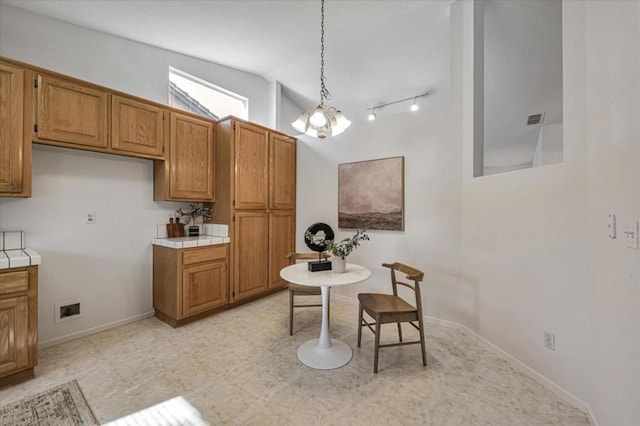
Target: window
column 189, row 93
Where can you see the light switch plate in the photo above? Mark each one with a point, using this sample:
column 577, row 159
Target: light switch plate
column 612, row 225
column 631, row 235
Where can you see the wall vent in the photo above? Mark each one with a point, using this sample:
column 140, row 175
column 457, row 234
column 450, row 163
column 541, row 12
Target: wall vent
column 67, row 311
column 534, row 119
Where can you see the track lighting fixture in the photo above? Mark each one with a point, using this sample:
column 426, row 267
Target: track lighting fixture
column 414, row 105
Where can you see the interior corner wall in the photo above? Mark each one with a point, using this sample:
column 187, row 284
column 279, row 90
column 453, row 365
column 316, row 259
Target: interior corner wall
column 289, row 112
column 524, row 236
column 107, row 266
column 431, row 143
column 431, row 237
column 613, row 135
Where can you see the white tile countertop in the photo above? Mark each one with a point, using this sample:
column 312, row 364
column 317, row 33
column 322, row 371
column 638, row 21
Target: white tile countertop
column 14, row 253
column 211, row 235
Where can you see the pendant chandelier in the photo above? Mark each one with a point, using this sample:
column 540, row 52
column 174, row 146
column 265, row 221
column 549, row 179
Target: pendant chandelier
column 322, row 121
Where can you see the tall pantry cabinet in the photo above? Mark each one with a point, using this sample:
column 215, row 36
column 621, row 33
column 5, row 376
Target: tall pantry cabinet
column 255, row 196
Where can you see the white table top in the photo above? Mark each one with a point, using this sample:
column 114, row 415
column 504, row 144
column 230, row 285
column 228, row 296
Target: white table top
column 300, row 274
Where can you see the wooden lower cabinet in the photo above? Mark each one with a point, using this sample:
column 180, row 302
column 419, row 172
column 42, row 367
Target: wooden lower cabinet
column 251, row 254
column 18, row 324
column 189, row 282
column 204, row 287
column 282, row 229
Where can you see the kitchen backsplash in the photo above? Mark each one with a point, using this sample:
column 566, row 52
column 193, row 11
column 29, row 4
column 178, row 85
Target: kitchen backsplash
column 12, row 240
column 160, row 231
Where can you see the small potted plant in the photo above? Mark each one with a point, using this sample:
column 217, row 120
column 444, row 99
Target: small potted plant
column 197, row 210
column 342, row 249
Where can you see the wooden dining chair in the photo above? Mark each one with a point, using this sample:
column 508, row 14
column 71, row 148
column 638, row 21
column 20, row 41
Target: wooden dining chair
column 302, row 290
column 390, row 308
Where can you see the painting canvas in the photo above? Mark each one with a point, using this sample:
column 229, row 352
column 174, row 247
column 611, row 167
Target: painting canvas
column 371, row 194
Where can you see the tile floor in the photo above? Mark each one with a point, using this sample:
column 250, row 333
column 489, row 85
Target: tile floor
column 240, row 367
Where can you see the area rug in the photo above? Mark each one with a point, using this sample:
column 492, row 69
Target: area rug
column 62, row 405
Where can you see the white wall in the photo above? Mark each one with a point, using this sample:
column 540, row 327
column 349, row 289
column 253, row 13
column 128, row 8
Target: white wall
column 431, row 237
column 613, row 135
column 524, row 236
column 513, row 255
column 107, row 265
column 117, row 63
column 549, row 146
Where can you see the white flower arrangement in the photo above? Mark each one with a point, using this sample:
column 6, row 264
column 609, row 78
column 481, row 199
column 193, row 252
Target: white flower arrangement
column 340, row 249
column 197, row 210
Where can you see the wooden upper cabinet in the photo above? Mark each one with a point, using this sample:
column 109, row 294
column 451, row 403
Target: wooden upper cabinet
column 136, row 127
column 282, row 172
column 191, row 159
column 251, row 166
column 72, row 113
column 11, row 128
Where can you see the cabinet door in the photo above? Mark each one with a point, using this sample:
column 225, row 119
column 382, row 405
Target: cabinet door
column 191, row 159
column 251, row 257
column 13, row 334
column 11, row 128
column 282, row 227
column 251, row 167
column 282, row 172
column 203, row 287
column 136, row 127
column 69, row 112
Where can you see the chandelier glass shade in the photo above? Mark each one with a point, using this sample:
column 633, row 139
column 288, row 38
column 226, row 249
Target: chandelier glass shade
column 322, row 121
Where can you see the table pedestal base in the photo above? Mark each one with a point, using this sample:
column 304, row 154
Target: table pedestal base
column 311, row 355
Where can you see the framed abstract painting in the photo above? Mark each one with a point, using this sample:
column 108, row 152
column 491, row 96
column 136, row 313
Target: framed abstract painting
column 371, row 194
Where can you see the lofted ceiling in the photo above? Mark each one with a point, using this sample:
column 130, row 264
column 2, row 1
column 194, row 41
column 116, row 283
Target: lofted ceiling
column 375, row 51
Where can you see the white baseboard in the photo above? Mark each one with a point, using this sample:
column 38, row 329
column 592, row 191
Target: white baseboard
column 525, row 369
column 93, row 330
column 522, row 367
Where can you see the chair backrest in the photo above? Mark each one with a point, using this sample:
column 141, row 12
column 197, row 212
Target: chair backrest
column 411, row 274
column 293, row 257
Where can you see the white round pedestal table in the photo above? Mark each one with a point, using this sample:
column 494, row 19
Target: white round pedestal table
column 324, row 353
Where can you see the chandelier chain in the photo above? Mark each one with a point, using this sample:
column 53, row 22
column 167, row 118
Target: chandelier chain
column 324, row 92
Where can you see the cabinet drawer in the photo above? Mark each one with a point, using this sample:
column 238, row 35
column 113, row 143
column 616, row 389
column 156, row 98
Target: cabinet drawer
column 12, row 282
column 204, row 254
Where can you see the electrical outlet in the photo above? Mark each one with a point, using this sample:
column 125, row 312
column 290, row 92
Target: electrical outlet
column 91, row 217
column 550, row 340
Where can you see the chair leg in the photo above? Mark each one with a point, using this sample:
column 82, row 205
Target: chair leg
column 290, row 312
column 377, row 345
column 422, row 345
column 359, row 324
column 399, row 331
